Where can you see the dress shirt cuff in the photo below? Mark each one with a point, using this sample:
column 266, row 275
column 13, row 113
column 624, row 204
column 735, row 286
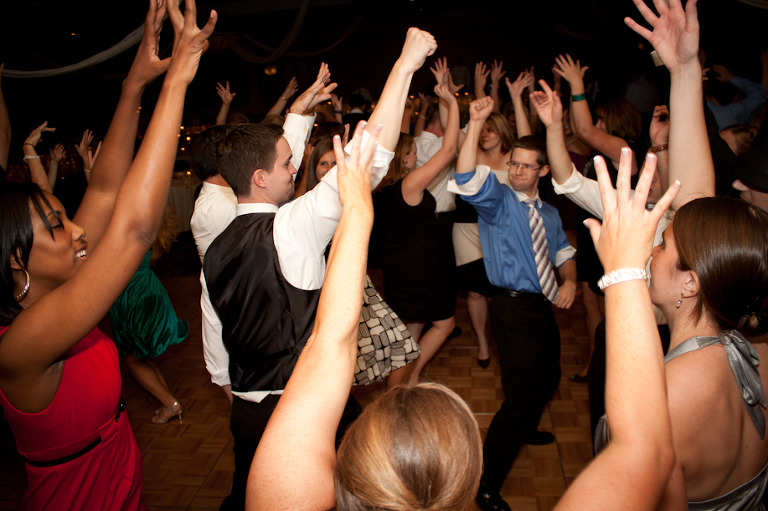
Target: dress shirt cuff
column 571, row 185
column 469, row 183
column 563, row 255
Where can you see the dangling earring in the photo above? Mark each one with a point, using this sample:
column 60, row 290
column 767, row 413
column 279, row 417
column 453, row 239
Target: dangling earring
column 24, row 291
column 680, row 301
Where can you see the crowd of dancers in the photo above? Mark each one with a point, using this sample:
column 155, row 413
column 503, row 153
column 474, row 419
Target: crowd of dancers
column 293, row 211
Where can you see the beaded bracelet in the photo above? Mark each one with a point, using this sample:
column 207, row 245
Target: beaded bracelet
column 621, row 275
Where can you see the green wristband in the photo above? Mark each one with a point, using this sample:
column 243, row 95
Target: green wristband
column 579, row 97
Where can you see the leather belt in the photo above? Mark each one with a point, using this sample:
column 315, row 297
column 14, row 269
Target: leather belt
column 520, row 295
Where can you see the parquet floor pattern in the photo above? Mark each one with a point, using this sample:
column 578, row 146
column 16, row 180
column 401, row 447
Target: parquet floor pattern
column 188, row 465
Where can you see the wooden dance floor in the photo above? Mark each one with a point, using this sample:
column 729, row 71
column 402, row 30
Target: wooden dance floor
column 189, row 465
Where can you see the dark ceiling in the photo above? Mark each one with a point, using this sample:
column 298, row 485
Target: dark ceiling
column 360, row 40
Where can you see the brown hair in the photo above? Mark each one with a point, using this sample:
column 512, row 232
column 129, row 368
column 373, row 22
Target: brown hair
column 533, row 143
column 413, row 448
column 500, row 125
column 245, row 149
column 622, row 118
column 322, row 146
column 396, row 168
column 725, row 241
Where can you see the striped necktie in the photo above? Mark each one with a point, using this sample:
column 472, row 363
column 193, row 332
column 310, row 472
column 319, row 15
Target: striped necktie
column 541, row 252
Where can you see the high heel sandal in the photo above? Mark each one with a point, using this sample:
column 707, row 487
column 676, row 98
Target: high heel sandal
column 157, row 420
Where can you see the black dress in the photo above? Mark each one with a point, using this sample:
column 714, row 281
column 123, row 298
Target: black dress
column 415, row 286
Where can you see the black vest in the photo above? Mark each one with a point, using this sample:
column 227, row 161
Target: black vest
column 265, row 320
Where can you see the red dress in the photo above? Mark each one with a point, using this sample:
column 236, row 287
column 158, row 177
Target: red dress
column 82, row 414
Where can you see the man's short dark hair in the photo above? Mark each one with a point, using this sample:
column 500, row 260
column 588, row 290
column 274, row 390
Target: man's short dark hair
column 203, row 151
column 245, row 149
column 533, row 143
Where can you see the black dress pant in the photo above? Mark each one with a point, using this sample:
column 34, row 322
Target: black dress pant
column 528, row 341
column 247, row 423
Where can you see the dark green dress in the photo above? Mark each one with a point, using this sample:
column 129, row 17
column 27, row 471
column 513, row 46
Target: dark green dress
column 143, row 318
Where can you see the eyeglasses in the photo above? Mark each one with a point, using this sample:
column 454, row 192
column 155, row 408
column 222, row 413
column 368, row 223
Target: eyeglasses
column 524, row 166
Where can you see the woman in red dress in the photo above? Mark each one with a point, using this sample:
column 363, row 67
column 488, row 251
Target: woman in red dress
column 59, row 375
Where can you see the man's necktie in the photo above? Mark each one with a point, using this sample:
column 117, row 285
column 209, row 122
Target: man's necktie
column 541, row 252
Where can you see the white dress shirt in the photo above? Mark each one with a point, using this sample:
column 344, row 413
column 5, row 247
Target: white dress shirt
column 302, row 230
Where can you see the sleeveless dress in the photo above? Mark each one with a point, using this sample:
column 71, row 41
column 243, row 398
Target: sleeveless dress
column 143, row 318
column 94, row 461
column 414, row 285
column 743, row 360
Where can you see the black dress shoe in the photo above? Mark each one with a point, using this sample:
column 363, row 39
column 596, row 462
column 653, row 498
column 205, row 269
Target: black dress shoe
column 540, row 438
column 490, row 500
column 484, row 362
column 577, row 378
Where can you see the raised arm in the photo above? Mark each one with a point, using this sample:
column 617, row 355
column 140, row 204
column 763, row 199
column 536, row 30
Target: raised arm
column 114, row 160
column 550, row 109
column 36, row 170
column 605, row 143
column 479, row 110
column 675, row 36
column 319, row 91
column 443, row 76
column 497, row 73
column 659, row 134
column 516, row 89
column 139, row 208
column 389, row 110
column 5, row 126
column 56, row 155
column 282, row 101
column 417, row 181
column 481, row 78
column 636, row 466
column 226, row 96
column 293, row 465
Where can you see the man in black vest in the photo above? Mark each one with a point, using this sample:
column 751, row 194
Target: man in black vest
column 264, row 272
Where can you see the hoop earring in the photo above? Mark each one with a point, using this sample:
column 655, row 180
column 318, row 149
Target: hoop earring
column 24, row 291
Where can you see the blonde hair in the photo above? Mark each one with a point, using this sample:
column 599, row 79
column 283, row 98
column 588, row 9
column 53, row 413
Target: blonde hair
column 166, row 235
column 414, row 448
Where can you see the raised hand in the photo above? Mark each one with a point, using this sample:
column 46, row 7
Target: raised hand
column 419, row 45
column 722, row 73
column 82, row 147
column 517, row 87
column 444, row 93
column 659, row 129
column 291, row 88
column 57, row 153
column 572, row 71
column 337, row 103
column 224, row 93
column 481, row 78
column 315, row 94
column 189, row 41
column 37, row 134
column 497, row 73
column 675, row 35
column 441, row 71
column 480, row 109
column 147, row 65
column 547, row 104
column 625, row 238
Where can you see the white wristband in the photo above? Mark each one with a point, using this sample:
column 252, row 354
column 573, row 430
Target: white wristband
column 621, row 275
column 31, row 157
